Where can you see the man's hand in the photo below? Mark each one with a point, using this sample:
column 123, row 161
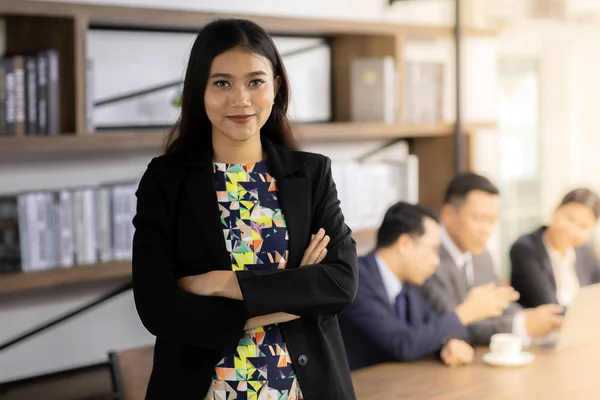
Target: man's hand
column 485, row 301
column 316, row 250
column 457, row 352
column 542, row 320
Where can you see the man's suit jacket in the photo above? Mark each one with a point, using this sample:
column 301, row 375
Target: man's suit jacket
column 447, row 288
column 532, row 274
column 373, row 332
column 179, row 233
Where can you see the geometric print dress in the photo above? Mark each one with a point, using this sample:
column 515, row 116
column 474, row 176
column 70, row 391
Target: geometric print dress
column 256, row 239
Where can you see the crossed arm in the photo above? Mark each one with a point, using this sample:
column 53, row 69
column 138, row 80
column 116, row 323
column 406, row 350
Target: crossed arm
column 225, row 283
column 174, row 309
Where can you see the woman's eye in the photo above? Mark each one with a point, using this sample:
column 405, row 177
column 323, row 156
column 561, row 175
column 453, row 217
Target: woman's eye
column 256, row 82
column 221, row 84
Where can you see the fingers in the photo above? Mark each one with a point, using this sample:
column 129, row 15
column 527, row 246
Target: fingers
column 185, row 283
column 446, row 355
column 552, row 313
column 508, row 293
column 504, row 296
column 307, row 258
column 321, row 256
column 552, row 308
column 556, row 321
column 314, row 242
column 321, row 248
column 467, row 353
column 457, row 352
column 317, row 248
column 463, row 352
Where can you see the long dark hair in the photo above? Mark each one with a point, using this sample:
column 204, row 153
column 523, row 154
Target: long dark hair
column 585, row 197
column 193, row 128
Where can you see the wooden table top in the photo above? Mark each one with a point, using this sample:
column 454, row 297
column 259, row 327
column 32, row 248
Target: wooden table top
column 572, row 374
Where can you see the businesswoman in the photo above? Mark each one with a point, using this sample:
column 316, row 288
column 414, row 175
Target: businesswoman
column 550, row 264
column 241, row 257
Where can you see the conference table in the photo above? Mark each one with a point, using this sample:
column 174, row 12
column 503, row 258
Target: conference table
column 569, row 374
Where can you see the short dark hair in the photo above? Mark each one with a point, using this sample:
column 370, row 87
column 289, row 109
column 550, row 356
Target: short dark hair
column 585, row 197
column 402, row 218
column 193, row 128
column 459, row 188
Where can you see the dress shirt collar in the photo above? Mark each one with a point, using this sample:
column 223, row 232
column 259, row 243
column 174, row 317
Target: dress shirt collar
column 391, row 283
column 460, row 258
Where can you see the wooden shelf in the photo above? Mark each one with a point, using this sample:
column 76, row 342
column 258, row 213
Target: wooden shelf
column 34, row 25
column 154, row 139
column 165, row 18
column 20, row 282
column 62, row 277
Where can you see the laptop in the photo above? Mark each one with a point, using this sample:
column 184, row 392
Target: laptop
column 582, row 321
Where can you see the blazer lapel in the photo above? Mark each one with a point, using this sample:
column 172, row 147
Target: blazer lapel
column 295, row 203
column 294, row 199
column 452, row 274
column 543, row 255
column 373, row 269
column 293, row 195
column 582, row 267
column 200, row 189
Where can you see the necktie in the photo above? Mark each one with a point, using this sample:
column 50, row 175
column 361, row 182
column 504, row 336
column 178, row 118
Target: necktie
column 466, row 275
column 401, row 306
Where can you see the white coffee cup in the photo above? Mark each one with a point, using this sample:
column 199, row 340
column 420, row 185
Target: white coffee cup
column 506, row 346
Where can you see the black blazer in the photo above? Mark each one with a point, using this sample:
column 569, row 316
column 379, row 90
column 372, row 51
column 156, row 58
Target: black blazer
column 178, row 233
column 372, row 332
column 531, row 271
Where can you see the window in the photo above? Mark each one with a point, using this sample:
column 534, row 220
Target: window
column 520, row 177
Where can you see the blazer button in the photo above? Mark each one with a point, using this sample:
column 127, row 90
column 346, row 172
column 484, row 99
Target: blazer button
column 302, row 360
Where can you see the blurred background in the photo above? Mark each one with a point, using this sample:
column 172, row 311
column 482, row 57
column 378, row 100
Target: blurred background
column 88, row 89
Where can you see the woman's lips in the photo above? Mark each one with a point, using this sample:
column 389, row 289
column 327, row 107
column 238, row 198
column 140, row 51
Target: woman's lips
column 240, row 119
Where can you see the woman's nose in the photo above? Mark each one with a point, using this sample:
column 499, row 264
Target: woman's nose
column 240, row 98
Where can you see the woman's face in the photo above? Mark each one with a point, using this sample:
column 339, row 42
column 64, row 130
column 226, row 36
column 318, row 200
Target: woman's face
column 573, row 224
column 239, row 95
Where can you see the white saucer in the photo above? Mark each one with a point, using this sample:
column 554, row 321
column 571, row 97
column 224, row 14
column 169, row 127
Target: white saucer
column 498, row 360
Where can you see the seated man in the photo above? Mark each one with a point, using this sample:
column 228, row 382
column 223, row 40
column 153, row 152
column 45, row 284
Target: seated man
column 390, row 319
column 468, row 216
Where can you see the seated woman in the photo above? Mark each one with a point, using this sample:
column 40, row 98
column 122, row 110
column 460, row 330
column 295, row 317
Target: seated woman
column 550, row 264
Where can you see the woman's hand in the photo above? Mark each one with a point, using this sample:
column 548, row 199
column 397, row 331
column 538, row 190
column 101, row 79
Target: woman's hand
column 316, row 250
column 269, row 319
column 213, row 283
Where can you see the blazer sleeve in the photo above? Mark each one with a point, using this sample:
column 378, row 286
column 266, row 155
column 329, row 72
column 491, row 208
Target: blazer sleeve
column 593, row 264
column 528, row 277
column 165, row 310
column 401, row 341
column 435, row 293
column 481, row 332
column 596, row 277
column 311, row 290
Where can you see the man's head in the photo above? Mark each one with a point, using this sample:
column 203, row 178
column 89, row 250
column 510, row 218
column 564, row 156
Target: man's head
column 409, row 240
column 470, row 210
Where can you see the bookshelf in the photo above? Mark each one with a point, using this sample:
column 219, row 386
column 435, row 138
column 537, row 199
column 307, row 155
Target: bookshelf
column 63, row 277
column 36, row 25
column 154, row 139
column 117, row 270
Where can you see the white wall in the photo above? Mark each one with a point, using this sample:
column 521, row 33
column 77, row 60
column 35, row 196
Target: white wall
column 423, row 11
column 85, row 339
column 570, row 60
column 115, row 325
column 569, row 57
